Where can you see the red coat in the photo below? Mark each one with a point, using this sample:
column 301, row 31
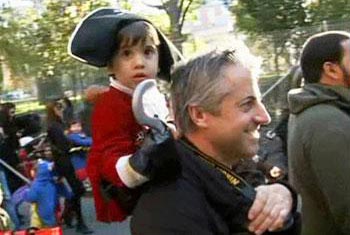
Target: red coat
column 115, row 133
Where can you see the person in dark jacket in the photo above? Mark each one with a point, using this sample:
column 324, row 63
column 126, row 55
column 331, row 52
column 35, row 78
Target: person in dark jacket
column 218, row 113
column 68, row 110
column 319, row 134
column 60, row 147
column 10, row 144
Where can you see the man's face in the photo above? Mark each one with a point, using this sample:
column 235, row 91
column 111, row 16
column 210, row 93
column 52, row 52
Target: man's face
column 234, row 132
column 133, row 64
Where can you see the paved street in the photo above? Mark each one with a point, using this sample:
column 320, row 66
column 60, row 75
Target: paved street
column 99, row 228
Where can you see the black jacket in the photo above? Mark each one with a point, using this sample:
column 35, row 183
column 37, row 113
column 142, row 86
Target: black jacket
column 200, row 201
column 60, row 145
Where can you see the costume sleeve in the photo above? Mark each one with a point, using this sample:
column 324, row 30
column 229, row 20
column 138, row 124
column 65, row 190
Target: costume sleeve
column 330, row 162
column 31, row 195
column 76, row 139
column 115, row 134
column 130, row 177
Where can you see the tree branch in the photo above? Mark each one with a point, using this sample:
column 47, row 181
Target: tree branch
column 181, row 5
column 160, row 7
column 184, row 13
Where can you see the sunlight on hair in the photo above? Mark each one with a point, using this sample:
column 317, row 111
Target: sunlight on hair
column 242, row 52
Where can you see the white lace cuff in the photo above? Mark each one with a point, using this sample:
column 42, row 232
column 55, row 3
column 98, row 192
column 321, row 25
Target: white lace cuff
column 127, row 174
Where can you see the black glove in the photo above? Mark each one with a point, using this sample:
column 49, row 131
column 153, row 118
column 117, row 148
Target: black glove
column 127, row 198
column 158, row 161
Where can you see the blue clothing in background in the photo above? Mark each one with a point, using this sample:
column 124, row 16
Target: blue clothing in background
column 45, row 192
column 78, row 158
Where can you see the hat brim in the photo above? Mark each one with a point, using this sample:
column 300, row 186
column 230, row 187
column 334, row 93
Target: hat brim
column 93, row 40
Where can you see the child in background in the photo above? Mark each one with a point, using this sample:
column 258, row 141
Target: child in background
column 5, row 221
column 45, row 191
column 81, row 143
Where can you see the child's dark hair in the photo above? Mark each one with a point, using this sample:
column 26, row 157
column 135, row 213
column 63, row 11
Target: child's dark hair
column 134, row 33
column 73, row 122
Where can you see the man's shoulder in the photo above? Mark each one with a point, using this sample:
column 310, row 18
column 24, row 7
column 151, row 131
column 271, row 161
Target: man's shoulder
column 172, row 208
column 177, row 192
column 320, row 114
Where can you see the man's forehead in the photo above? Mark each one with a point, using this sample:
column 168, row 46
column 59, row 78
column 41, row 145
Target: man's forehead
column 240, row 77
column 237, row 72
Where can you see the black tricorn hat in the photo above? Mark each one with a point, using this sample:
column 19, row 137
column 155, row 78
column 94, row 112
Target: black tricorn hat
column 93, row 40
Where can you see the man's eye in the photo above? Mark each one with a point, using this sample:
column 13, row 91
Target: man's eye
column 248, row 105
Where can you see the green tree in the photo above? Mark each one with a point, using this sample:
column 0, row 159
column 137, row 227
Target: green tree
column 177, row 12
column 33, row 45
column 14, row 53
column 329, row 10
column 53, row 29
column 275, row 23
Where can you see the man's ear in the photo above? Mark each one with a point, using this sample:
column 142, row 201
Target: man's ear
column 331, row 70
column 198, row 116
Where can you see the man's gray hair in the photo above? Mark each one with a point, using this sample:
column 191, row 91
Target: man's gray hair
column 201, row 82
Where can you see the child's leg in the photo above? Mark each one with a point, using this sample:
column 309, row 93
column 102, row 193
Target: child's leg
column 35, row 220
column 8, row 205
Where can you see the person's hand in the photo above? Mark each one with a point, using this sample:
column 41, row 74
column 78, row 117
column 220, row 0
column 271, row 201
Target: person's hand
column 276, row 172
column 158, row 160
column 270, row 209
column 19, row 134
column 93, row 92
column 172, row 129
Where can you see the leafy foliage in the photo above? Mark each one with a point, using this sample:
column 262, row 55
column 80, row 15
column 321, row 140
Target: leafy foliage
column 177, row 12
column 34, row 44
column 327, row 10
column 13, row 49
column 277, row 24
column 55, row 26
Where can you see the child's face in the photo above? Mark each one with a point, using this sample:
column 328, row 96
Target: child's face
column 48, row 152
column 133, row 64
column 75, row 128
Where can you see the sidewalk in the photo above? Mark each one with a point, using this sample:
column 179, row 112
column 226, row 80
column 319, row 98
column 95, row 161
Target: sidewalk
column 99, row 228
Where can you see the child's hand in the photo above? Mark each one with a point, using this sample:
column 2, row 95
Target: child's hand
column 174, row 132
column 93, row 92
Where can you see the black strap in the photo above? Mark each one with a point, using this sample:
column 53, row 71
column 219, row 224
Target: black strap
column 234, row 179
column 240, row 185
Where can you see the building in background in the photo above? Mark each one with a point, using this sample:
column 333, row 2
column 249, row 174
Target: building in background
column 214, row 27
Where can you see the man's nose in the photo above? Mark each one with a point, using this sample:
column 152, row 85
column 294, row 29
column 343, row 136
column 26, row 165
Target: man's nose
column 262, row 116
